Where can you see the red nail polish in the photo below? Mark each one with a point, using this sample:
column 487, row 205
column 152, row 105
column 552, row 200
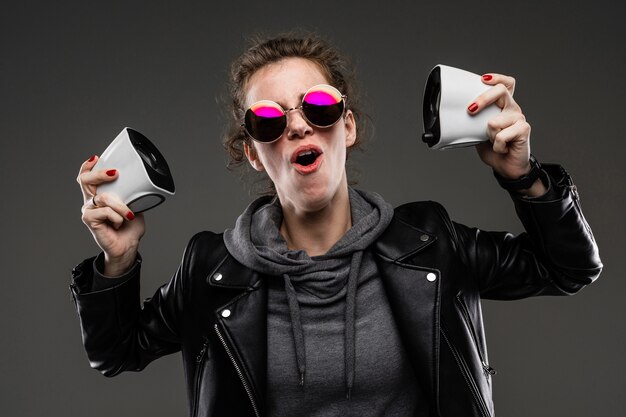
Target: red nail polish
column 472, row 108
column 130, row 215
column 487, row 77
column 92, row 158
column 111, row 172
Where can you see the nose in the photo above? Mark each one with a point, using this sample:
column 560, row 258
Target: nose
column 297, row 126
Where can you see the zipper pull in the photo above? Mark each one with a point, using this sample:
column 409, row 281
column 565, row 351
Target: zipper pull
column 488, row 370
column 203, row 350
column 73, row 289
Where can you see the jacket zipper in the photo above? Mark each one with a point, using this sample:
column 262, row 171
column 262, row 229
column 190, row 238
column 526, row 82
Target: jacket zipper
column 199, row 370
column 471, row 384
column 238, row 369
column 488, row 370
column 576, row 198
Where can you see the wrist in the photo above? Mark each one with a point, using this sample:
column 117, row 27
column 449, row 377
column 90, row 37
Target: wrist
column 117, row 266
column 526, row 181
column 515, row 174
column 537, row 189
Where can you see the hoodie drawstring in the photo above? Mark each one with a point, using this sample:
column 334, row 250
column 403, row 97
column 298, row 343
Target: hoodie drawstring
column 350, row 323
column 296, row 327
column 350, row 329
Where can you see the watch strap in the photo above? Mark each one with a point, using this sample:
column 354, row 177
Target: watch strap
column 525, row 181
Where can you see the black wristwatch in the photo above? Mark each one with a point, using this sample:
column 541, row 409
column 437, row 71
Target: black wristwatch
column 525, row 181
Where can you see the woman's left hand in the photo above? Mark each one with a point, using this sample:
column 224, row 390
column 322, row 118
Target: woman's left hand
column 508, row 151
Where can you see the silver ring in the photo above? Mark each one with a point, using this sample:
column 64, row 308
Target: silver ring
column 93, row 201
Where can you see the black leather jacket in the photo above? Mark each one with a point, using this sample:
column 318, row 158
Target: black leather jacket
column 434, row 272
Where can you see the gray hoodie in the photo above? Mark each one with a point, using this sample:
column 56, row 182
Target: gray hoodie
column 311, row 299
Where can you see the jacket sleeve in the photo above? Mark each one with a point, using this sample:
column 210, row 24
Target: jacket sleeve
column 557, row 255
column 119, row 332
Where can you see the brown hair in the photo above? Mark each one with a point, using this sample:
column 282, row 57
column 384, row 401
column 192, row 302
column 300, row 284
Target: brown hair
column 264, row 51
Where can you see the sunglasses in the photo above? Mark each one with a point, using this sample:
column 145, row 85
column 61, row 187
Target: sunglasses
column 322, row 106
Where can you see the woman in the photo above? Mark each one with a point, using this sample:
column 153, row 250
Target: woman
column 324, row 300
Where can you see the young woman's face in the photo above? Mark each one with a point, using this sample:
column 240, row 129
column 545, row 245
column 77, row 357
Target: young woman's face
column 300, row 187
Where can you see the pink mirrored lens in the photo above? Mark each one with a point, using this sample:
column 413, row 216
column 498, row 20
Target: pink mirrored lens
column 267, row 111
column 325, row 97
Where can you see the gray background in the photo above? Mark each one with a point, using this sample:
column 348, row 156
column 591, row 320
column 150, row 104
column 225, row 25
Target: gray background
column 74, row 73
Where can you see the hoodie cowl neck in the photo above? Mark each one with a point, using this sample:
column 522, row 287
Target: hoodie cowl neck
column 256, row 241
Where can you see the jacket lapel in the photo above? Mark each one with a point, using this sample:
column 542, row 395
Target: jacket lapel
column 243, row 322
column 414, row 297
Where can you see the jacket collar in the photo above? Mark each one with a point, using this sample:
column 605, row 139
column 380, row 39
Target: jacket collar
column 398, row 242
column 402, row 240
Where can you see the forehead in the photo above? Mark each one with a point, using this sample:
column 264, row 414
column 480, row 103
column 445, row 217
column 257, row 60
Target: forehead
column 284, row 81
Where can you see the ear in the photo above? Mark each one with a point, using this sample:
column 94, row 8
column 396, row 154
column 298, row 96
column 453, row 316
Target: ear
column 252, row 156
column 350, row 125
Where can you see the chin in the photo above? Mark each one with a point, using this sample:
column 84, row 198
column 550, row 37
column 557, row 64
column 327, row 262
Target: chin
column 314, row 196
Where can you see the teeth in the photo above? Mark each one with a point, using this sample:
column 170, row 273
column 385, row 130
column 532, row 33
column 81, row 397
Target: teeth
column 305, row 153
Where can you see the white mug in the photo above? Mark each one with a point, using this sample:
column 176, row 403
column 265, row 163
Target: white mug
column 447, row 123
column 144, row 179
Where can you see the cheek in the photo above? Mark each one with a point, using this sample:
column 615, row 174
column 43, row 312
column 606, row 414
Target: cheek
column 340, row 147
column 269, row 159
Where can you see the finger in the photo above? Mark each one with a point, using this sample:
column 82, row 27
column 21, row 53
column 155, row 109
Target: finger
column 98, row 177
column 87, row 165
column 503, row 120
column 519, row 133
column 493, row 79
column 112, row 201
column 497, row 94
column 96, row 218
column 89, row 180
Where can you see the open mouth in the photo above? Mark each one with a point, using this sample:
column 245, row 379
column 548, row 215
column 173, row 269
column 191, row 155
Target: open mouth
column 307, row 158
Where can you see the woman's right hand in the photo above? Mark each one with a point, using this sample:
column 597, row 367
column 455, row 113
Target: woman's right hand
column 115, row 228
